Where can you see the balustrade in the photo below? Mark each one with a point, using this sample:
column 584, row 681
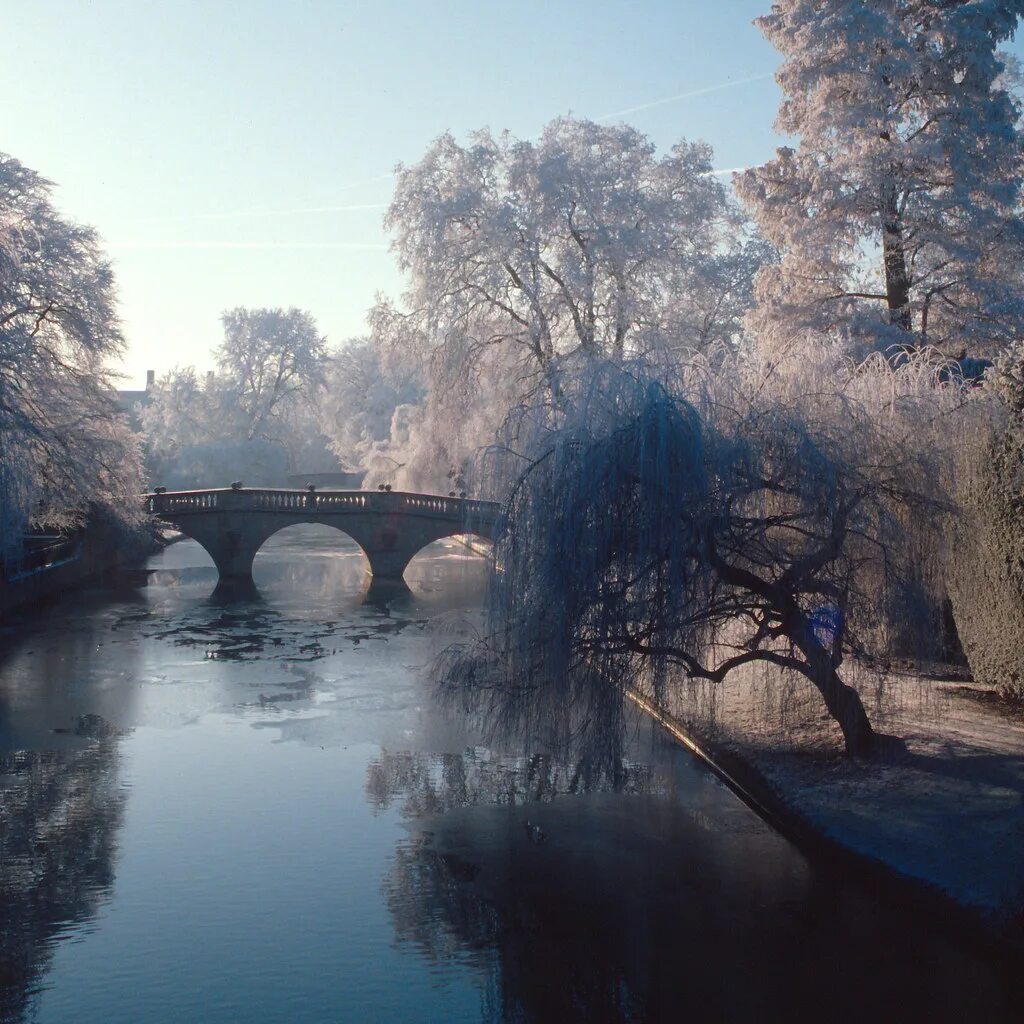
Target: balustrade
column 182, row 501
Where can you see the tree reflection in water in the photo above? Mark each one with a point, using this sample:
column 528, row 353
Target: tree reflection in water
column 649, row 897
column 475, row 882
column 437, row 783
column 60, row 811
column 531, row 942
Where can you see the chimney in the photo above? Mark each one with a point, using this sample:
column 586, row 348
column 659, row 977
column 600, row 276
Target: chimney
column 150, row 379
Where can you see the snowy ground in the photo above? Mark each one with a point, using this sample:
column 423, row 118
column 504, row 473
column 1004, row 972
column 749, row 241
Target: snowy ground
column 948, row 810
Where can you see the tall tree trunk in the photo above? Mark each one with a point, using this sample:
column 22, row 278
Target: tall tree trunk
column 897, row 276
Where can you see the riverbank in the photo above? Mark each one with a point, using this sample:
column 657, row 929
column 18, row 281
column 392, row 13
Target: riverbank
column 97, row 552
column 943, row 813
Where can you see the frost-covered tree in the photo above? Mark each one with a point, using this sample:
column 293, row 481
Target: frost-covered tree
column 178, row 412
column 523, row 256
column 65, row 450
column 897, row 214
column 259, row 418
column 585, row 241
column 365, row 391
column 431, row 441
column 269, row 357
column 709, row 316
column 196, row 435
column 652, row 535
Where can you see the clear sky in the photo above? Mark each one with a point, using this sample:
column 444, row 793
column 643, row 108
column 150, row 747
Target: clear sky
column 240, row 153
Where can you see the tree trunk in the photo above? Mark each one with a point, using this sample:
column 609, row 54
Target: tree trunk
column 843, row 701
column 897, row 277
column 845, row 706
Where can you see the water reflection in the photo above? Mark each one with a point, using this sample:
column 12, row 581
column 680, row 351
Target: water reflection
column 656, row 899
column 258, row 628
column 544, row 961
column 385, row 593
column 241, row 632
column 60, row 812
column 315, row 558
column 441, row 886
column 428, row 783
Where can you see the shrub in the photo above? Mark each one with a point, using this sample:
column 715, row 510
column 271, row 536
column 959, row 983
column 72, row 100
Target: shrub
column 986, row 565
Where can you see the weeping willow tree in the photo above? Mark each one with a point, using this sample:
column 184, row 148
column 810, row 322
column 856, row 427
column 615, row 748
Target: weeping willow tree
column 653, row 532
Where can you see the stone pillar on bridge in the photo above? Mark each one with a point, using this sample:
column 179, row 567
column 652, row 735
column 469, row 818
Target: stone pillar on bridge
column 388, row 543
column 231, row 542
column 236, row 554
column 391, row 564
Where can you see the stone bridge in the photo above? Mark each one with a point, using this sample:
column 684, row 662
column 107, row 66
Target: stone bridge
column 232, row 523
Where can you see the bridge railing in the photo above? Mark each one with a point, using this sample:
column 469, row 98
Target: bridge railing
column 183, row 501
column 338, row 499
column 271, row 499
column 412, row 502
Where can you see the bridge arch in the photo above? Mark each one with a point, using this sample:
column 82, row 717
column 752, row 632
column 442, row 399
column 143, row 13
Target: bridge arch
column 350, row 563
column 473, row 546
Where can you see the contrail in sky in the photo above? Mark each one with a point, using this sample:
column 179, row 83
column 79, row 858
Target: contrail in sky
column 161, row 244
column 256, row 212
column 354, row 207
column 687, row 95
column 287, row 213
column 724, row 171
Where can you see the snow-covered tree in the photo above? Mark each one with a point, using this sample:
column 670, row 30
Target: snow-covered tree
column 66, row 450
column 258, row 419
column 897, row 214
column 709, row 316
column 178, row 412
column 269, row 357
column 584, row 241
column 196, row 435
column 654, row 534
column 364, row 391
column 524, row 256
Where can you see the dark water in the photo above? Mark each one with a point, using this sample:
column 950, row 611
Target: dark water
column 255, row 813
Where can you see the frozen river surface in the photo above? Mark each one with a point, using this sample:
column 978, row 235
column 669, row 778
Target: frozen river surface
column 255, row 812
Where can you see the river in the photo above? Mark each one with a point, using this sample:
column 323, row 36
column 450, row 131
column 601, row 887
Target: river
column 256, row 812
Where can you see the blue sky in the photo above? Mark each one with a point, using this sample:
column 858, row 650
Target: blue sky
column 205, row 140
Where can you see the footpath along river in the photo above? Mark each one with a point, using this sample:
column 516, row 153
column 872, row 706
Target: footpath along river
column 256, row 812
